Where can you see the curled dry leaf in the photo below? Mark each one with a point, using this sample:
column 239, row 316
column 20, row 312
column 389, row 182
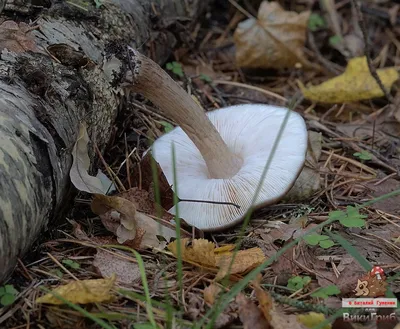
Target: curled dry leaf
column 211, row 293
column 274, row 40
column 81, row 292
column 130, row 202
column 15, row 37
column 355, row 84
column 204, row 253
column 109, row 264
column 79, row 171
column 121, row 220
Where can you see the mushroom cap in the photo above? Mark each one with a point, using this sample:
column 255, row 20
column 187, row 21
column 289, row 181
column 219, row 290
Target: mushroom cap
column 250, row 132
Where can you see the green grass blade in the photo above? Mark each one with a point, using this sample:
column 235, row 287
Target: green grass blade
column 177, row 226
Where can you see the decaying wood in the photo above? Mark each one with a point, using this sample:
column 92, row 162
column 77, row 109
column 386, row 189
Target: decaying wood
column 63, row 74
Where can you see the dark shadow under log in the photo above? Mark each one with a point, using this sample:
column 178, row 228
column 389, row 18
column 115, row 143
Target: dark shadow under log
column 46, row 93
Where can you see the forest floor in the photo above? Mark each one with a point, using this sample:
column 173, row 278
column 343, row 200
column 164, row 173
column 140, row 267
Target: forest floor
column 355, row 135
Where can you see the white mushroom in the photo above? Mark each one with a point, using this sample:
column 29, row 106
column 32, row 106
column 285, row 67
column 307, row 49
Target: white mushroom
column 221, row 155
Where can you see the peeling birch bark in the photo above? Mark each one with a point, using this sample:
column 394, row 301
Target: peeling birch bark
column 43, row 98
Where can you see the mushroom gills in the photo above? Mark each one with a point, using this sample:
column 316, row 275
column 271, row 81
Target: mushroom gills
column 250, row 132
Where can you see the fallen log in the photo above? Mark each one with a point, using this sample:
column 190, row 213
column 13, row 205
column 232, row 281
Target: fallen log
column 54, row 74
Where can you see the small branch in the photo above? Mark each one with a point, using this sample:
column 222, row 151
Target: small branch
column 361, row 22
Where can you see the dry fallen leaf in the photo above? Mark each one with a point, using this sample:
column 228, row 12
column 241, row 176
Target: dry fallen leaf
column 204, row 253
column 211, row 293
column 198, row 252
column 274, row 40
column 82, row 292
column 244, row 261
column 79, row 171
column 250, row 315
column 355, row 84
column 109, row 264
column 15, row 37
column 121, row 220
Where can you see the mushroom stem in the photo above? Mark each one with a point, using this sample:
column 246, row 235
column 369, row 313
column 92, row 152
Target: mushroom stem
column 156, row 85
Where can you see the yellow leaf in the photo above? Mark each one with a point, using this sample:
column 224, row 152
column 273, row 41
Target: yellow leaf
column 312, row 319
column 81, row 292
column 224, row 249
column 204, row 253
column 244, row 261
column 274, row 40
column 198, row 251
column 355, row 84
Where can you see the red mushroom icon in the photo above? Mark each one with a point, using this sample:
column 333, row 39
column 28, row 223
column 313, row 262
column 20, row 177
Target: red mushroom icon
column 378, row 272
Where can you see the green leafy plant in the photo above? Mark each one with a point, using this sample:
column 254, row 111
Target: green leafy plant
column 7, row 294
column 315, row 22
column 363, row 155
column 205, row 78
column 317, row 239
column 350, row 218
column 325, row 292
column 335, row 40
column 70, row 263
column 98, row 3
column 298, row 282
column 167, row 126
column 176, row 68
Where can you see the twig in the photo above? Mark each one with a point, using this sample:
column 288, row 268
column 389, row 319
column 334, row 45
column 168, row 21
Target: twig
column 372, row 70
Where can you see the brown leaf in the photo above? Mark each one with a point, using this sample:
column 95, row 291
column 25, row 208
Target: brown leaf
column 152, row 229
column 274, row 40
column 266, row 303
column 211, row 292
column 15, row 37
column 390, row 205
column 250, row 315
column 79, row 171
column 108, row 264
column 145, row 177
column 120, row 220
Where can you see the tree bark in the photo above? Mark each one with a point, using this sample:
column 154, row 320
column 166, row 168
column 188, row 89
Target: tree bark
column 64, row 74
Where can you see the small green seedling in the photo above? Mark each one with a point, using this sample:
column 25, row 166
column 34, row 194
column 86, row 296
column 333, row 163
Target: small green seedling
column 350, row 218
column 167, row 126
column 70, row 263
column 326, row 292
column 317, row 239
column 176, row 68
column 298, row 282
column 315, row 22
column 335, row 40
column 205, row 78
column 7, row 294
column 98, row 3
column 363, row 155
